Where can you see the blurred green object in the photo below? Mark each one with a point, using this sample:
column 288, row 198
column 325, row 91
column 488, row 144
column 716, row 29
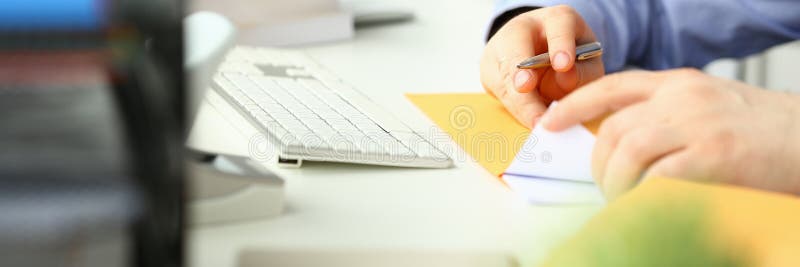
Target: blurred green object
column 677, row 232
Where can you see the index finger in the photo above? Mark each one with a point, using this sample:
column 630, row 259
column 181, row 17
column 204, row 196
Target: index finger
column 562, row 27
column 602, row 96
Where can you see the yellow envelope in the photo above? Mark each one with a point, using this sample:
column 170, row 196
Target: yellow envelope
column 479, row 124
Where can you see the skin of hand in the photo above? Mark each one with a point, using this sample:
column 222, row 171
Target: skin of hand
column 527, row 93
column 686, row 124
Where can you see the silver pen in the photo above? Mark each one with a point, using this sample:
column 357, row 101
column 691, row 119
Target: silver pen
column 582, row 52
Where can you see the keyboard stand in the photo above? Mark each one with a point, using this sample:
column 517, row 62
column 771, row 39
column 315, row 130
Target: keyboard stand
column 223, row 188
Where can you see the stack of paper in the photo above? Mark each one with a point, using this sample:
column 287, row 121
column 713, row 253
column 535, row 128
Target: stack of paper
column 549, row 168
column 555, row 168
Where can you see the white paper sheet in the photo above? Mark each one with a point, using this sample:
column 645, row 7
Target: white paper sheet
column 553, row 192
column 555, row 167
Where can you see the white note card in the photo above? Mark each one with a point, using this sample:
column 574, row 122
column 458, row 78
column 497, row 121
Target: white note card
column 553, row 192
column 555, row 167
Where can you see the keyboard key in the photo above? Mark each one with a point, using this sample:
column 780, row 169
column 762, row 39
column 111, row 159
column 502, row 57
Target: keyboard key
column 244, row 101
column 266, row 84
column 315, row 123
column 237, row 79
column 258, row 112
column 302, row 133
column 300, row 109
column 343, row 125
column 250, row 107
column 419, row 145
column 274, row 109
column 366, row 125
column 400, row 150
column 282, row 116
column 318, row 106
column 264, row 118
column 291, row 124
column 235, row 93
column 328, row 113
column 324, row 132
column 306, row 116
column 339, row 123
column 266, row 99
column 289, row 85
column 393, row 149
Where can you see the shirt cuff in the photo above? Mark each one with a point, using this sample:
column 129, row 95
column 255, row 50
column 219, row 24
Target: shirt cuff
column 585, row 8
column 503, row 18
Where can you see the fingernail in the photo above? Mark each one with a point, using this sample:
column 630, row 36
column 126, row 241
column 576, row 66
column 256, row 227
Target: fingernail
column 521, row 78
column 561, row 61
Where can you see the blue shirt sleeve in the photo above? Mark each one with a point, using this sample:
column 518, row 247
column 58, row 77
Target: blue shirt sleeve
column 662, row 34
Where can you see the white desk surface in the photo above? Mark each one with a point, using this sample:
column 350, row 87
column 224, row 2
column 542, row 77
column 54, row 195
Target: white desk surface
column 406, row 213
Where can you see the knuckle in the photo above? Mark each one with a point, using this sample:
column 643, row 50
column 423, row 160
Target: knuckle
column 688, row 73
column 699, row 94
column 719, row 153
column 514, row 26
column 612, row 81
column 505, row 79
column 502, row 94
column 517, row 23
column 723, row 142
column 668, row 169
column 561, row 10
column 608, row 129
column 561, row 38
column 634, row 145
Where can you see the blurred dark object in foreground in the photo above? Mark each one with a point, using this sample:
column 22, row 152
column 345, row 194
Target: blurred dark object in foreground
column 91, row 133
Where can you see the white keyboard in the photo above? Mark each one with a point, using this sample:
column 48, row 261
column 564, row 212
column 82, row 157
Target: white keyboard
column 308, row 114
